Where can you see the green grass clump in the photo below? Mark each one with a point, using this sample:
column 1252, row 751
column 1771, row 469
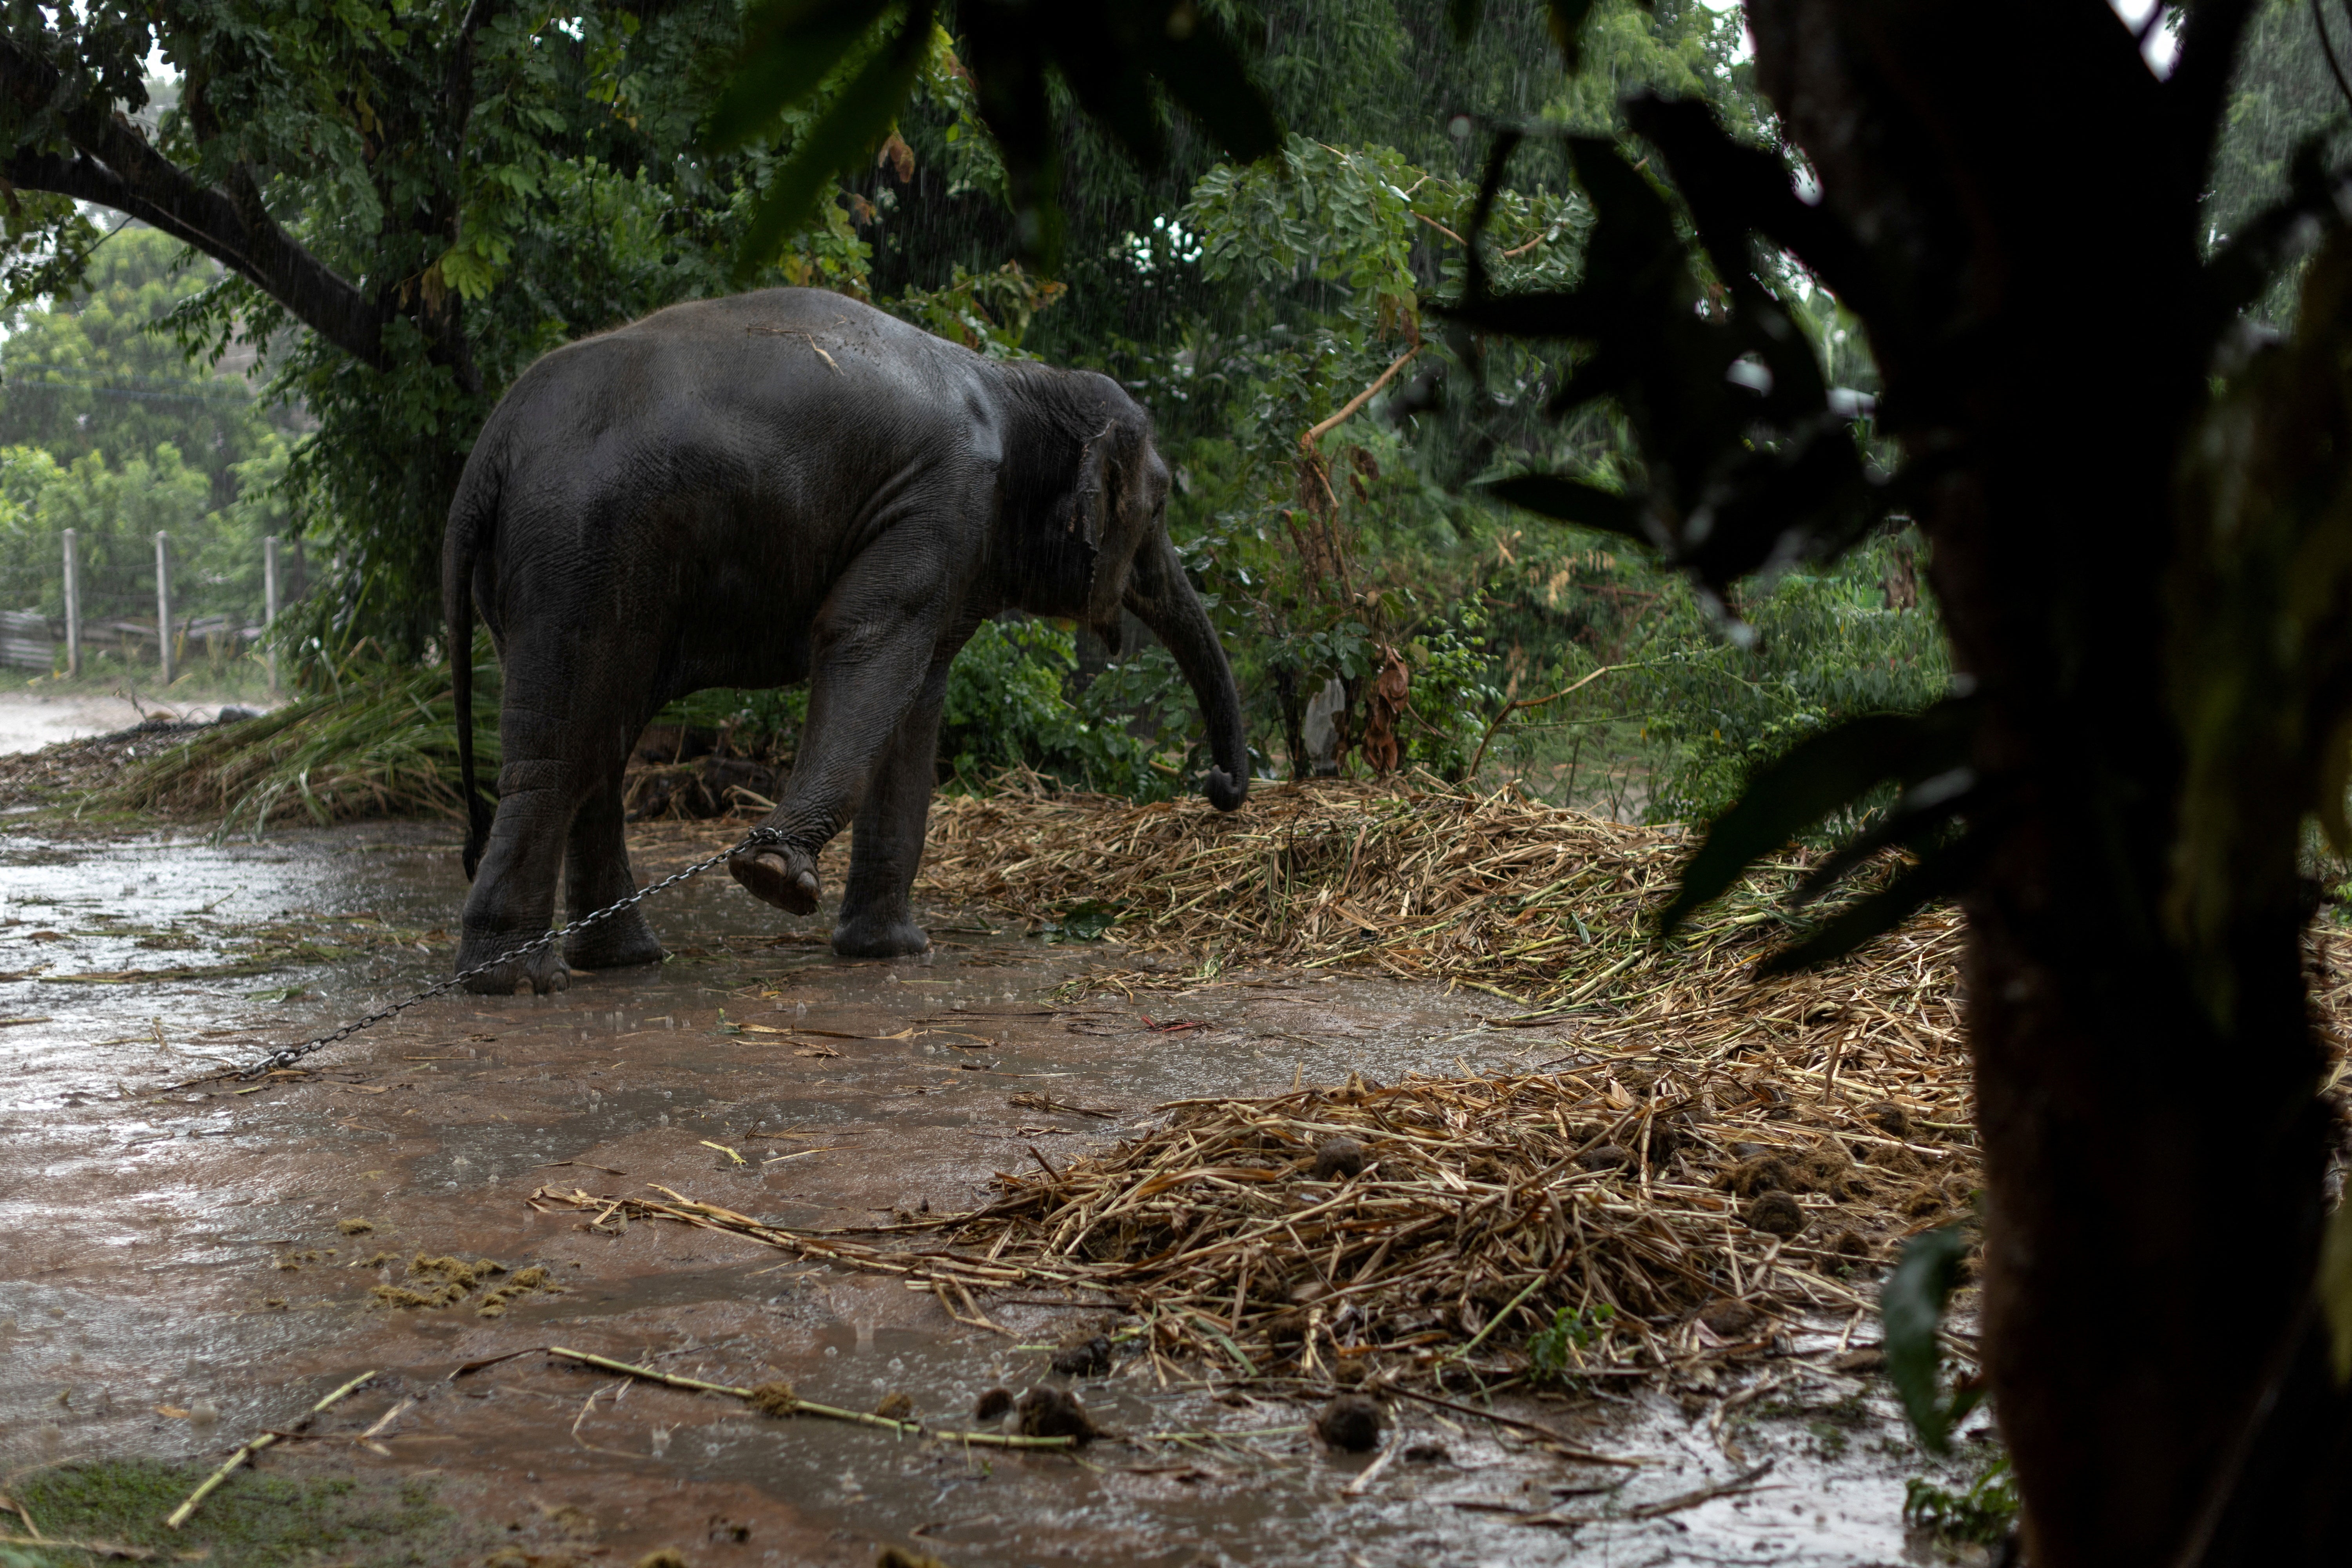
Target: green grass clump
column 384, row 744
column 254, row 1520
column 1982, row 1514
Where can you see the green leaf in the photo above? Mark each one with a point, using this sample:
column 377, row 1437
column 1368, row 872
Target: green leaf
column 865, row 109
column 1813, row 779
column 1571, row 501
column 1084, row 921
column 1911, row 1309
column 1938, row 875
column 1203, row 74
column 467, row 272
column 1463, row 17
column 2335, row 1292
column 790, row 48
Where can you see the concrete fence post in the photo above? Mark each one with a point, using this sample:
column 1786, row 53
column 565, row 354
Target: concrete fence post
column 73, row 605
column 163, row 602
column 269, row 605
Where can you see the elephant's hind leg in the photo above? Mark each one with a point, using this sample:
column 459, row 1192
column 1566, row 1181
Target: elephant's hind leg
column 565, row 737
column 595, row 876
column 514, row 890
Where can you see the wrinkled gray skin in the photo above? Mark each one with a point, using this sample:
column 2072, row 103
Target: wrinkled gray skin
column 779, row 486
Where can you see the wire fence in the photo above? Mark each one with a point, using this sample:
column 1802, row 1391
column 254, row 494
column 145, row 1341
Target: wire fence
column 128, row 616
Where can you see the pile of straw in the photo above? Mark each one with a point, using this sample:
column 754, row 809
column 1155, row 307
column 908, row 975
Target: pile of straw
column 1644, row 1218
column 1535, row 904
column 1693, row 1161
column 1636, row 1212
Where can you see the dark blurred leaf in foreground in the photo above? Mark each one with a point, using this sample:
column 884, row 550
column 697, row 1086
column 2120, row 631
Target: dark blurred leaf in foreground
column 1123, row 61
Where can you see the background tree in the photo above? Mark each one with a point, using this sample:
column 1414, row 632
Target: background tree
column 84, row 372
column 408, row 206
column 107, row 429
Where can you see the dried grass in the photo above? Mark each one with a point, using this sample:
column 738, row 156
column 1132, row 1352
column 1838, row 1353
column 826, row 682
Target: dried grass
column 1500, row 893
column 1709, row 1157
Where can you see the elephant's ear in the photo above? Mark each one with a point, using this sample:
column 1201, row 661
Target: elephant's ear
column 1122, row 513
column 1090, row 501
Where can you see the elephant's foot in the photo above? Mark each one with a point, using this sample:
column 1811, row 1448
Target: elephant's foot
column 778, row 875
column 878, row 936
column 536, row 974
column 616, row 943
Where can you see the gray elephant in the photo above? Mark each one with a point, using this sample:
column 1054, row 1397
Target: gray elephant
column 751, row 491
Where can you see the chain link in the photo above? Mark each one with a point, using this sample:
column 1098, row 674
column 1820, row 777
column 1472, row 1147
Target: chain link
column 287, row 1056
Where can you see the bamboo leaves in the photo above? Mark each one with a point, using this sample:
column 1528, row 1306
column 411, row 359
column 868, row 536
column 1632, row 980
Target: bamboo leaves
column 1120, row 61
column 1748, row 460
column 1925, row 751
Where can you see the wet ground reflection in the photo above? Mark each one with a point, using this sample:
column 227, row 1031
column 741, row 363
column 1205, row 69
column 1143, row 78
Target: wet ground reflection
column 202, row 1251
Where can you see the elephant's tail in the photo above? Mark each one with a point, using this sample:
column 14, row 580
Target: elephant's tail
column 473, row 517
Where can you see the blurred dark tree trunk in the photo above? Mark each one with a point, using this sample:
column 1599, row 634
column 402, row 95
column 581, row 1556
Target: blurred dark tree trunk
column 2029, row 192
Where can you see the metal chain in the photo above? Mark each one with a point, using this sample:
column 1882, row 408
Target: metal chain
column 287, row 1056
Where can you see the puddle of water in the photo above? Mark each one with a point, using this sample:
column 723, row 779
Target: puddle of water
column 182, row 1250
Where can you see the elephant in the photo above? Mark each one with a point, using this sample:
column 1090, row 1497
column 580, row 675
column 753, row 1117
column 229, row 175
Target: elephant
column 759, row 490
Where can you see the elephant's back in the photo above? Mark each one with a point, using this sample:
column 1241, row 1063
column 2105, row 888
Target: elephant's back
column 753, row 383
column 790, row 353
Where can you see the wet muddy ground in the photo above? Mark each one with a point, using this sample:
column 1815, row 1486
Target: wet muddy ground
column 183, row 1269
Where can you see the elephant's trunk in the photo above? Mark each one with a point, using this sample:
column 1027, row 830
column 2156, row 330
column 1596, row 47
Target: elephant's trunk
column 1160, row 593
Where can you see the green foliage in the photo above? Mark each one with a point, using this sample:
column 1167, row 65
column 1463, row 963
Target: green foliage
column 757, row 723
column 1116, row 59
column 1826, row 647
column 1981, row 1515
column 1004, row 704
column 1683, row 49
column 1552, row 1349
column 1911, row 1310
column 88, row 372
column 107, row 429
column 987, row 312
column 1008, row 705
column 1086, row 920
column 116, row 510
column 474, row 197
column 1453, row 695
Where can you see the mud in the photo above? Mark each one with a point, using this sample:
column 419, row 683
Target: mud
column 185, row 1268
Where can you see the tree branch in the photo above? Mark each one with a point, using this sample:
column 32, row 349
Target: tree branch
column 457, row 87
column 113, row 166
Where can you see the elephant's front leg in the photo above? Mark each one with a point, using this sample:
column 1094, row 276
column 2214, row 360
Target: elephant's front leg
column 877, row 918
column 874, row 647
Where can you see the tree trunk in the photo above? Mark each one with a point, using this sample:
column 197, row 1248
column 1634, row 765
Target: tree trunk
column 2154, row 1145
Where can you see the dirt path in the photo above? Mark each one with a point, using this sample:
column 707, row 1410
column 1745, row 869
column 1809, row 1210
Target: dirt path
column 188, row 1268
